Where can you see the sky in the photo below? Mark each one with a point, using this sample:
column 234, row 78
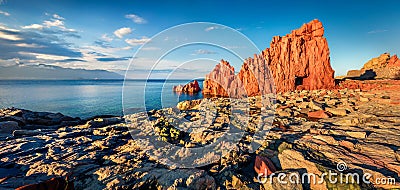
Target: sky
column 110, row 35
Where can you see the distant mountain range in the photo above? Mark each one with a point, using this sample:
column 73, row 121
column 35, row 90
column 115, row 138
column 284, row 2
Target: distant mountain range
column 42, row 71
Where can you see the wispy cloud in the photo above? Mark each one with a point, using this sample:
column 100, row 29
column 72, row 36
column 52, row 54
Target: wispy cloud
column 203, row 52
column 4, row 13
column 106, row 38
column 211, row 28
column 136, row 19
column 120, row 33
column 136, row 41
column 151, row 48
column 33, row 45
column 56, row 16
column 33, row 26
column 377, row 31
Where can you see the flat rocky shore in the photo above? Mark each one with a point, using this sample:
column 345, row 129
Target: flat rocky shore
column 311, row 132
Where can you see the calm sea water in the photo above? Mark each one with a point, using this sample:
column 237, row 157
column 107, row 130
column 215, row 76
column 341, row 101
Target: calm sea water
column 87, row 98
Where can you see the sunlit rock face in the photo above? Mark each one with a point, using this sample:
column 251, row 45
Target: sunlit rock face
column 299, row 60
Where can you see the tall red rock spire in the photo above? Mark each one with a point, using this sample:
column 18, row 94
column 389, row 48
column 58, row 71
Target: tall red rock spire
column 299, row 60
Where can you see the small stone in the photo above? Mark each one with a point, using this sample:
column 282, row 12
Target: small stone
column 303, row 105
column 321, row 114
column 283, row 113
column 386, row 97
column 357, row 134
column 363, row 99
column 284, row 146
column 236, row 182
column 315, row 105
column 337, row 111
column 397, row 155
column 327, row 139
column 19, row 133
column 304, row 110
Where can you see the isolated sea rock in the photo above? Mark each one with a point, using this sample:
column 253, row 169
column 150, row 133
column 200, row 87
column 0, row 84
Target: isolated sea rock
column 299, row 60
column 192, row 87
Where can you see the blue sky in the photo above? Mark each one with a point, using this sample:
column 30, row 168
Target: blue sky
column 106, row 34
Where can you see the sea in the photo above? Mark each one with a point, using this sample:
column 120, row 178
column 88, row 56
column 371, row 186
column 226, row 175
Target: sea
column 89, row 98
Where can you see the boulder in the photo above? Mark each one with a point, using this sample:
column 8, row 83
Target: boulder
column 188, row 104
column 320, row 114
column 8, row 126
column 264, row 166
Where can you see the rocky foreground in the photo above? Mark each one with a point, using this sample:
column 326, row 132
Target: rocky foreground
column 312, row 132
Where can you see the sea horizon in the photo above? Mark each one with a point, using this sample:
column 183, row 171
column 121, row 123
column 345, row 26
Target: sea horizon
column 86, row 98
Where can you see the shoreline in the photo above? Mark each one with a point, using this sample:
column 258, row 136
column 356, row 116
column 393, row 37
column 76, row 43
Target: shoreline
column 352, row 125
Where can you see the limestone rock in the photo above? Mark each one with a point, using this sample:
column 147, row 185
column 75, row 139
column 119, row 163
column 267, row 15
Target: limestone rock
column 187, row 105
column 337, row 111
column 291, row 159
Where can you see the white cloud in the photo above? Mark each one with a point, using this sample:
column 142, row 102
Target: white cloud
column 56, row 16
column 28, row 45
column 136, row 19
column 4, row 13
column 210, row 28
column 33, row 26
column 9, row 36
column 135, row 41
column 55, row 23
column 45, row 56
column 106, row 38
column 213, row 28
column 120, row 33
column 377, row 31
column 203, row 51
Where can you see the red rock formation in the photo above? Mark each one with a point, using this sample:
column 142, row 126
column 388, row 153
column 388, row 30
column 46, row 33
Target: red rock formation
column 382, row 67
column 394, row 61
column 53, row 183
column 320, row 114
column 299, row 60
column 192, row 87
column 263, row 166
column 221, row 81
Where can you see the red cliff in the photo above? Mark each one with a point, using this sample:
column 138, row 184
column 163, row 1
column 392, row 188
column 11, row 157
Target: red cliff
column 299, row 60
